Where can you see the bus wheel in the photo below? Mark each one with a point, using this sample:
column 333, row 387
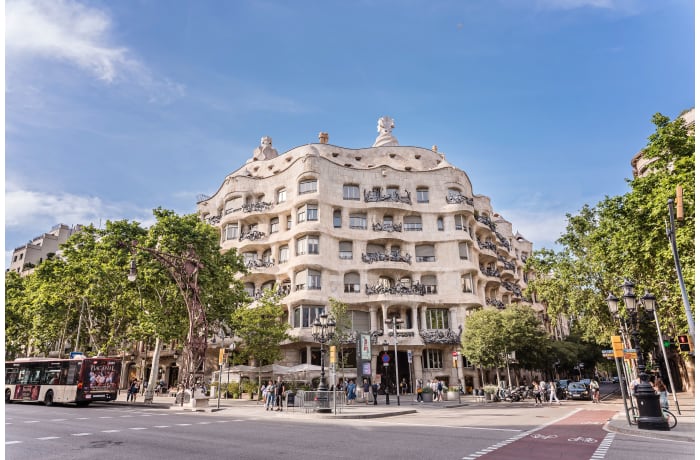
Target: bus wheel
column 48, row 399
column 8, row 396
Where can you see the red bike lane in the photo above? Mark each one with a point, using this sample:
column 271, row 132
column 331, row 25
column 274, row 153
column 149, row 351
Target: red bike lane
column 577, row 436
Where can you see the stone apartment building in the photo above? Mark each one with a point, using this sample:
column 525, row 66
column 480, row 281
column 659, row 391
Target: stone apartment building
column 389, row 230
column 28, row 256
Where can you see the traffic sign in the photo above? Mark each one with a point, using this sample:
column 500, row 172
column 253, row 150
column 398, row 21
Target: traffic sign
column 386, row 358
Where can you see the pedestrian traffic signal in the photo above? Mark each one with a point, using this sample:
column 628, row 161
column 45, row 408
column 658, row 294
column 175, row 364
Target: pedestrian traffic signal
column 684, row 343
column 333, row 359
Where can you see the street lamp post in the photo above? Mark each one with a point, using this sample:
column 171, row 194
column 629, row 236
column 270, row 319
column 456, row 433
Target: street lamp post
column 650, row 307
column 322, row 331
column 394, row 321
column 385, row 360
column 650, row 414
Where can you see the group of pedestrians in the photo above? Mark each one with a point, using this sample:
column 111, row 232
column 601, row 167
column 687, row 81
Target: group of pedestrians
column 543, row 389
column 132, row 391
column 273, row 394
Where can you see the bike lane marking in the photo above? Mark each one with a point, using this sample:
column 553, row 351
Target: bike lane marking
column 580, row 435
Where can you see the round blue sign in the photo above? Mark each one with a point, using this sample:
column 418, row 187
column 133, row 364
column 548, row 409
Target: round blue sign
column 386, row 358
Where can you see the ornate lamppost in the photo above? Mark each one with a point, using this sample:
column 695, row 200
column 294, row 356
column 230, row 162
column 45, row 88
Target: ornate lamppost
column 323, row 330
column 650, row 414
column 394, row 321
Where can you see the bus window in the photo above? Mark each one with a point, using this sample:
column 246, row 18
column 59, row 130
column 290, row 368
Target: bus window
column 34, row 376
column 51, row 377
column 11, row 376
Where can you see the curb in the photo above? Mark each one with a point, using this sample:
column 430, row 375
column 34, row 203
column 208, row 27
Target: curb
column 618, row 427
column 372, row 415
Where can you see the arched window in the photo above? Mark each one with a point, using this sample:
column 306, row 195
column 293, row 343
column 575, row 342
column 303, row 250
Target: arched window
column 308, row 186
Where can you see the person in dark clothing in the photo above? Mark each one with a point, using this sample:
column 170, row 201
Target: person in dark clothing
column 375, row 390
column 279, row 393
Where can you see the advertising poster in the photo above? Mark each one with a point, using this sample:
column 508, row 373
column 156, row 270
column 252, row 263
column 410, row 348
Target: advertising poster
column 102, row 375
column 27, row 392
column 366, row 351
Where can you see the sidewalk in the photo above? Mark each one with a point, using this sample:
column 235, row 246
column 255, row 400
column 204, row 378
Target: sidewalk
column 684, row 431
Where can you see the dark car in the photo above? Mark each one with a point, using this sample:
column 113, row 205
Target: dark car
column 579, row 390
column 561, row 388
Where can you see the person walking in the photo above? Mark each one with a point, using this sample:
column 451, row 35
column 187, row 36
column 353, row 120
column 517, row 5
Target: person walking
column 419, row 394
column 366, row 390
column 375, row 390
column 553, row 393
column 351, row 392
column 662, row 392
column 269, row 395
column 537, row 392
column 595, row 388
column 131, row 392
column 279, row 393
column 439, row 390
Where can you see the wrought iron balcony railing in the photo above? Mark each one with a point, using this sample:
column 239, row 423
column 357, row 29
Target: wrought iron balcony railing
column 459, row 199
column 378, row 227
column 399, row 289
column 385, row 257
column 374, row 196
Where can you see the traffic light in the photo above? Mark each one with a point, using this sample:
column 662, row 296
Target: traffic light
column 684, row 343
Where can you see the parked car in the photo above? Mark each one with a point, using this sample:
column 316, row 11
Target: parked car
column 561, row 388
column 579, row 390
column 616, row 379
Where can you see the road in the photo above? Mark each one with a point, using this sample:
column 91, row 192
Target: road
column 509, row 431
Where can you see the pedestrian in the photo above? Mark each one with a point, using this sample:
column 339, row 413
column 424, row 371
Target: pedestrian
column 433, row 389
column 595, row 389
column 439, row 390
column 268, row 393
column 366, row 390
column 536, row 391
column 279, row 393
column 375, row 390
column 351, row 392
column 403, row 386
column 662, row 392
column 419, row 394
column 131, row 392
column 553, row 393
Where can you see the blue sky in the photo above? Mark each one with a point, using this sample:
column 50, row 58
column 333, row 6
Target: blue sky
column 115, row 108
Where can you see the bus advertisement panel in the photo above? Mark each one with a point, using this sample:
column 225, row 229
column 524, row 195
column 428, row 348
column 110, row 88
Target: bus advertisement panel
column 102, row 380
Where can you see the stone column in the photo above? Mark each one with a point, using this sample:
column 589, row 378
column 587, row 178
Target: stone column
column 373, row 318
column 423, row 322
column 414, row 315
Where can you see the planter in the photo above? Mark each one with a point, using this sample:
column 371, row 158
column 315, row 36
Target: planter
column 452, row 396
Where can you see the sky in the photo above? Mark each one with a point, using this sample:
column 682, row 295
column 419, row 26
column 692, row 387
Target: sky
column 115, row 108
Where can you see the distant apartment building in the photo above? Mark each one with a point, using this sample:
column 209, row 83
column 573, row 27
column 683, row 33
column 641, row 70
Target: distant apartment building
column 391, row 231
column 640, row 165
column 26, row 257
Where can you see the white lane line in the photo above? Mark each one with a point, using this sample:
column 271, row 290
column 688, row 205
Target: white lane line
column 110, row 431
column 12, row 442
column 124, row 416
column 602, row 449
column 31, row 421
column 161, row 426
column 58, row 420
column 106, row 416
column 46, row 438
column 138, row 428
column 81, row 434
column 203, row 423
column 83, row 418
column 183, row 424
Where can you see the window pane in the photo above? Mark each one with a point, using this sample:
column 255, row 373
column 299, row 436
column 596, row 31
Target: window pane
column 231, row 232
column 412, row 224
column 358, row 221
column 312, row 212
column 351, row 192
column 301, row 246
column 422, row 195
column 282, row 195
column 313, row 244
column 463, row 251
column 440, row 224
column 308, row 186
column 337, row 219
column 274, row 225
column 345, row 250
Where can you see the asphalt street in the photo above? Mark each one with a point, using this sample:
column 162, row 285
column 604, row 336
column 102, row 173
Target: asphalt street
column 501, row 431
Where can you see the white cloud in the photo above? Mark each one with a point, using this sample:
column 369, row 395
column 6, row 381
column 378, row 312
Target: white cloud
column 539, row 227
column 38, row 211
column 618, row 5
column 67, row 31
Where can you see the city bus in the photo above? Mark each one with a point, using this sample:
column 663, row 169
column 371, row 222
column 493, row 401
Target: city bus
column 78, row 380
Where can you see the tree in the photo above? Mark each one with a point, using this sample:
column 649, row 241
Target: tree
column 17, row 316
column 261, row 328
column 624, row 237
column 344, row 335
column 491, row 336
